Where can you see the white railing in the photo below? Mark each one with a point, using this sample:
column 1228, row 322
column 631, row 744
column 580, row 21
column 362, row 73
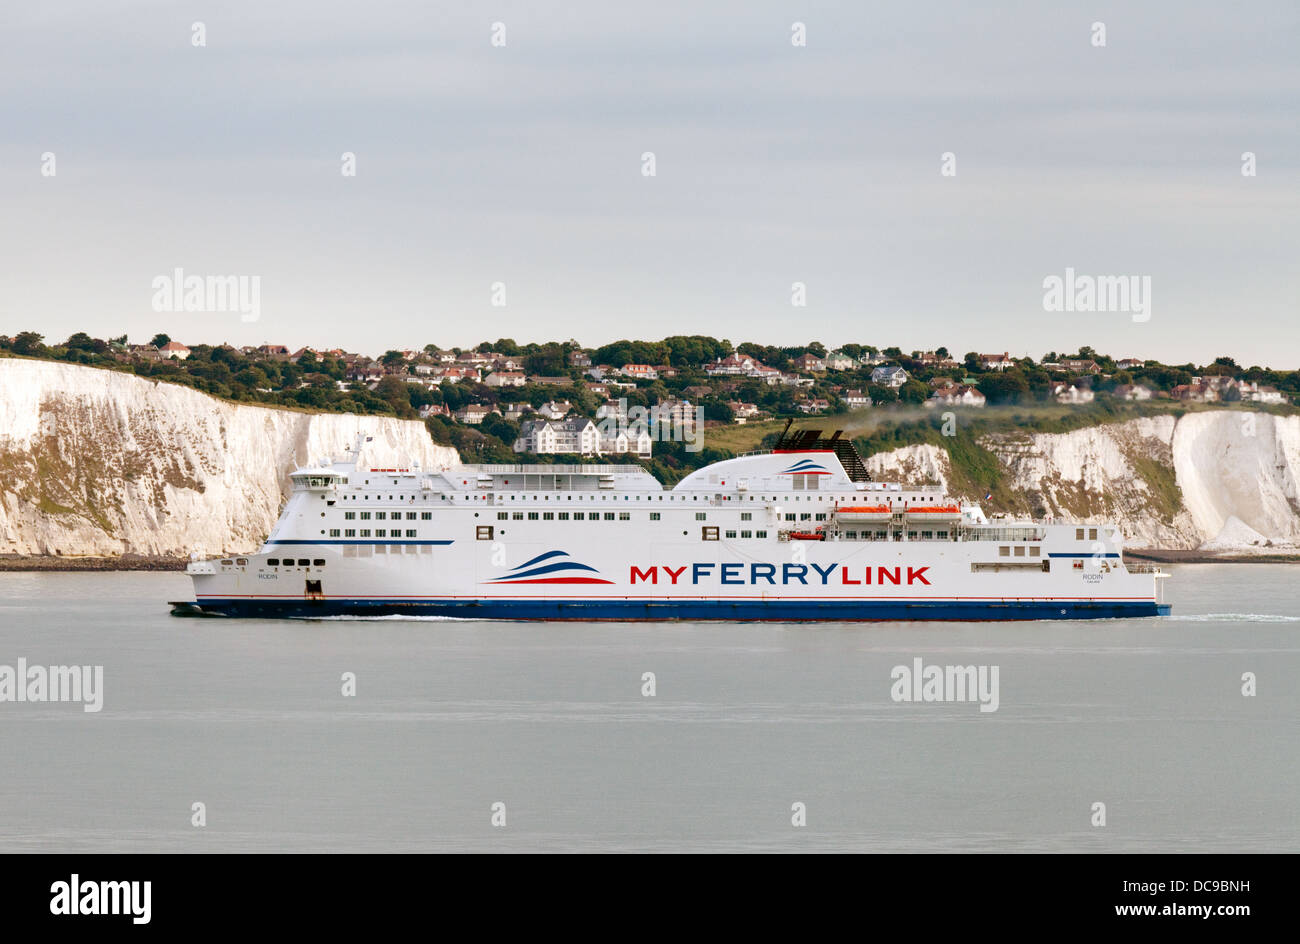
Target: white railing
column 1142, row 567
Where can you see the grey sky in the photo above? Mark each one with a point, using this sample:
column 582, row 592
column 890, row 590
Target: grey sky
column 775, row 164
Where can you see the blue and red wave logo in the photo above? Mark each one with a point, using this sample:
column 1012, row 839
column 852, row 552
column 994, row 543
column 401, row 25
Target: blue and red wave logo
column 551, row 567
column 806, row 467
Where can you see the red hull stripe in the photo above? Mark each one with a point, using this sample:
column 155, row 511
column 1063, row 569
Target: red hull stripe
column 554, row 580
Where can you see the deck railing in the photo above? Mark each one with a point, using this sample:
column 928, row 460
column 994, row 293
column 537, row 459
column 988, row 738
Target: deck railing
column 1142, row 567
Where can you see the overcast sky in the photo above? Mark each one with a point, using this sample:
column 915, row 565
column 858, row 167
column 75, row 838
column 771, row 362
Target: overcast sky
column 775, row 163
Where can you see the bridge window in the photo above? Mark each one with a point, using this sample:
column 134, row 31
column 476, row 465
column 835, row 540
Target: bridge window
column 318, row 562
column 273, row 562
column 303, row 562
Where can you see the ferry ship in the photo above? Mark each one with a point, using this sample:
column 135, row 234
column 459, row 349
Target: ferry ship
column 797, row 533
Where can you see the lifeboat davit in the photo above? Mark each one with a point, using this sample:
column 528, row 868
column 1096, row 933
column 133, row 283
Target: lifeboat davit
column 864, row 514
column 945, row 514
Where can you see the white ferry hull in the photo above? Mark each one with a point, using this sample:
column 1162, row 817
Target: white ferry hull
column 579, row 543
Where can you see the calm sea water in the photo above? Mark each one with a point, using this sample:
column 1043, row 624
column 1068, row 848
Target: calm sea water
column 247, row 717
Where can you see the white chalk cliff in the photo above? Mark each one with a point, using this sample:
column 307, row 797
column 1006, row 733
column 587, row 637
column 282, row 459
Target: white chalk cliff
column 102, row 463
column 1221, row 480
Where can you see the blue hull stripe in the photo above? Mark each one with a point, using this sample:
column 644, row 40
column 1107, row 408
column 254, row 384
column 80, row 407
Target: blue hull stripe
column 779, row 610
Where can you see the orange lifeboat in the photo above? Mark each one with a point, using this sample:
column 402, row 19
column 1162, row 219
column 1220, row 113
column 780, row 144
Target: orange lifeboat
column 933, row 513
column 864, row 514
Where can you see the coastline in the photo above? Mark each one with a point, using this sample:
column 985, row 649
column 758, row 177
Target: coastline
column 1168, row 556
column 17, row 563
column 136, row 562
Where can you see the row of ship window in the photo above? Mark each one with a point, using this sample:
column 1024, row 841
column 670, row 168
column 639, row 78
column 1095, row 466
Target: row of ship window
column 379, row 533
column 897, row 535
column 670, row 497
column 594, row 516
column 383, row 515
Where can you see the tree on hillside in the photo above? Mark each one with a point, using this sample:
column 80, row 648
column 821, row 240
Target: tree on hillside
column 549, row 361
column 161, row 340
column 717, row 410
column 84, row 342
column 1008, row 386
column 395, row 392
column 913, row 392
column 29, row 343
